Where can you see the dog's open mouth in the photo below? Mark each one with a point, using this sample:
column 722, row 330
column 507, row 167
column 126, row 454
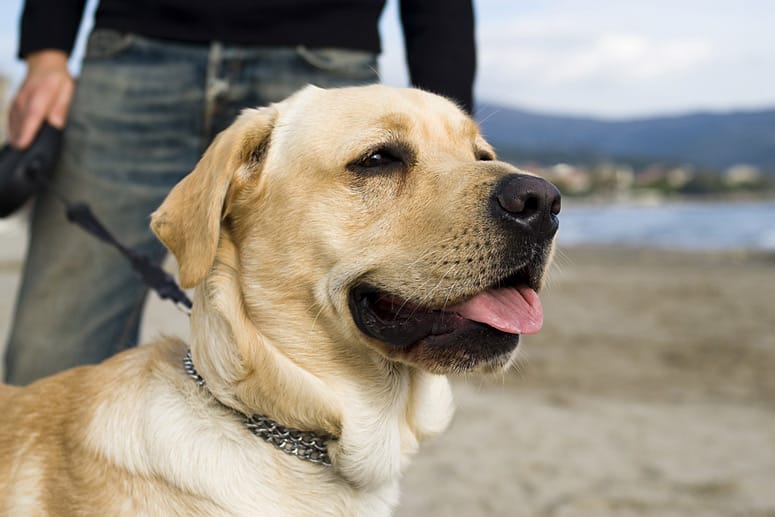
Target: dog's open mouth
column 513, row 308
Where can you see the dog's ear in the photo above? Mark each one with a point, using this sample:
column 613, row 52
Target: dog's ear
column 188, row 222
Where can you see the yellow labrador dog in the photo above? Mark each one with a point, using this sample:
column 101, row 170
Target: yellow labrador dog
column 349, row 248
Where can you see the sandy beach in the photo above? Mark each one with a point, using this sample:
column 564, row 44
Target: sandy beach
column 649, row 392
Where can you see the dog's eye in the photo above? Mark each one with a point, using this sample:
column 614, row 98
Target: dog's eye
column 380, row 158
column 387, row 158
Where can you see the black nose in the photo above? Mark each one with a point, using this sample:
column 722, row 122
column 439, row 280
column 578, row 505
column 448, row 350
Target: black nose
column 528, row 202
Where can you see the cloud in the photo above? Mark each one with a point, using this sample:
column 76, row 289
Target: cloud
column 617, row 57
column 559, row 52
column 620, row 58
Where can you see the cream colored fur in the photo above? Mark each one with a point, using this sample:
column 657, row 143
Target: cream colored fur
column 273, row 230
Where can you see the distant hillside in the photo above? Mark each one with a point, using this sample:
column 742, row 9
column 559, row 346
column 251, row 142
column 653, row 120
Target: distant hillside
column 712, row 140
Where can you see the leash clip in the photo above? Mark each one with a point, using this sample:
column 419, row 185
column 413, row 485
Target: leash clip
column 182, row 307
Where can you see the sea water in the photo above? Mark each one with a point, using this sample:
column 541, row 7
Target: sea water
column 676, row 225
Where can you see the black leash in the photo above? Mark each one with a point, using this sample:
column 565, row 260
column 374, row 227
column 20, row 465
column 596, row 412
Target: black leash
column 150, row 273
column 26, row 173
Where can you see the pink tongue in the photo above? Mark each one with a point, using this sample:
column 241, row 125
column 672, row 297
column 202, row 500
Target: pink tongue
column 513, row 310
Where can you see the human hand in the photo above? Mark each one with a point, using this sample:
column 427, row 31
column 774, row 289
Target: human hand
column 45, row 94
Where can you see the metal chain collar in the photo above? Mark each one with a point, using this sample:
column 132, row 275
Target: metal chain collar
column 306, row 445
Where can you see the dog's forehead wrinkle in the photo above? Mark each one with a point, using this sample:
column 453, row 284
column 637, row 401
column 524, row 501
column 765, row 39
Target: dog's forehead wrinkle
column 436, row 131
column 395, row 122
column 395, row 115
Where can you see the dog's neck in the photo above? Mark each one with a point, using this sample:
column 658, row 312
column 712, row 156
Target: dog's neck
column 379, row 415
column 306, row 445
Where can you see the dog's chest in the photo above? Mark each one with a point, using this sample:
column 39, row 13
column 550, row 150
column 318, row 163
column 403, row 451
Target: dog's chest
column 215, row 466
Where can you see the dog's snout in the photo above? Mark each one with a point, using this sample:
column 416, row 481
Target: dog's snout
column 528, row 201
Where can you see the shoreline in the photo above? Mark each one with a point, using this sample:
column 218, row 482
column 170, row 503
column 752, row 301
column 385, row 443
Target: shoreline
column 655, row 199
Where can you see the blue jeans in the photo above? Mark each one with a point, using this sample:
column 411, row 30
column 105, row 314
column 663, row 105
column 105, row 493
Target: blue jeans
column 143, row 113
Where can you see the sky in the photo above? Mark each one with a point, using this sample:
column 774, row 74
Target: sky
column 600, row 58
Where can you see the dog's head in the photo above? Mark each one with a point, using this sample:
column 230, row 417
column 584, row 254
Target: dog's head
column 373, row 218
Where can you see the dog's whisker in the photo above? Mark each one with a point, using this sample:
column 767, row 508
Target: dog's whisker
column 489, row 116
column 422, row 288
column 317, row 315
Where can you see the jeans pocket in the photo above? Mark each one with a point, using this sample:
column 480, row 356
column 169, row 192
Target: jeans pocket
column 106, row 43
column 353, row 64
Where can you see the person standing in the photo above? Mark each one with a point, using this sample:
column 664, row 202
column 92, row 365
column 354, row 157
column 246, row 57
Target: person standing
column 158, row 80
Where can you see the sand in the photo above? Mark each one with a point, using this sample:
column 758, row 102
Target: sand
column 649, row 392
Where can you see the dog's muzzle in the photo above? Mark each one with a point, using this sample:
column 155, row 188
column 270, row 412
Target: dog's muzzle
column 475, row 327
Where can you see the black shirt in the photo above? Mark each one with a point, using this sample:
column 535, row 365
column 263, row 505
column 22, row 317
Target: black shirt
column 438, row 34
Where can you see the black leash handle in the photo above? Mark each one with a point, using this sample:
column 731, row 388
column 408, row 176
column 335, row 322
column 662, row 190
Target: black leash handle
column 25, row 172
